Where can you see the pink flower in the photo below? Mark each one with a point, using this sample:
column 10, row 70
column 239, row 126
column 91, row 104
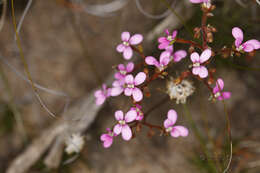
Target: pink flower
column 217, row 90
column 125, row 47
column 102, row 94
column 138, row 109
column 107, row 138
column 162, row 64
column 123, row 71
column 176, row 56
column 197, row 60
column 168, row 40
column 118, row 88
column 122, row 126
column 248, row 46
column 131, row 83
column 175, row 131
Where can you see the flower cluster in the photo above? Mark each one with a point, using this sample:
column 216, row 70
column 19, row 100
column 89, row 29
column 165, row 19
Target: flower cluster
column 134, row 81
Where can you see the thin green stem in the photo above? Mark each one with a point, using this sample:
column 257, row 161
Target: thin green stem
column 18, row 42
column 200, row 138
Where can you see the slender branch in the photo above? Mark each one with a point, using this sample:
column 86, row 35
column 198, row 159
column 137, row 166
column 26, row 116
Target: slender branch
column 179, row 40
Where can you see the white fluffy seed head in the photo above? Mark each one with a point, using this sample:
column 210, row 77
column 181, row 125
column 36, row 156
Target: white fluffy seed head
column 180, row 91
column 74, row 143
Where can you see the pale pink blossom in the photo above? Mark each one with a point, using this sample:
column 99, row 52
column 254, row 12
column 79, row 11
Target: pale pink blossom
column 165, row 42
column 198, row 68
column 162, row 64
column 176, row 56
column 123, row 71
column 131, row 84
column 102, row 94
column 217, row 90
column 118, row 88
column 125, row 47
column 175, row 131
column 122, row 126
column 138, row 109
column 107, row 138
column 247, row 46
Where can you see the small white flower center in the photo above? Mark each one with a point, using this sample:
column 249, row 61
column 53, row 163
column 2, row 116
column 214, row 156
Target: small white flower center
column 217, row 94
column 123, row 72
column 130, row 86
column 122, row 122
column 161, row 67
column 111, row 134
column 240, row 48
column 169, row 129
column 125, row 43
column 207, row 4
column 197, row 64
column 169, row 38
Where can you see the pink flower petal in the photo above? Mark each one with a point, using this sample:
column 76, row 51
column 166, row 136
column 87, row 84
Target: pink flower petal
column 130, row 67
column 118, row 75
column 162, row 39
column 175, row 133
column 165, row 57
column 121, row 67
column 195, row 70
column 254, row 43
column 98, row 93
column 215, row 89
column 203, row 72
column 220, row 83
column 128, row 91
column 129, row 79
column 116, row 91
column 108, row 143
column 125, row 36
column 137, row 94
column 126, row 132
column 248, row 47
column 169, row 48
column 117, row 129
column 206, row 54
column 136, row 39
column 183, row 131
column 167, row 123
column 100, row 100
column 195, row 57
column 237, row 33
column 119, row 115
column 104, row 137
column 224, row 95
column 139, row 78
column 179, row 55
column 172, row 115
column 151, row 60
column 163, row 45
column 167, row 31
column 174, row 34
column 128, row 53
column 238, row 42
column 130, row 116
column 120, row 48
column 196, row 1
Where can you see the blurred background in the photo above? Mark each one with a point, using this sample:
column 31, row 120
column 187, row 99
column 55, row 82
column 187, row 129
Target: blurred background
column 70, row 49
